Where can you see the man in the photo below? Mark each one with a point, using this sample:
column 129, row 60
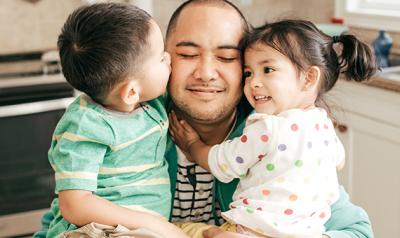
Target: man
column 206, row 90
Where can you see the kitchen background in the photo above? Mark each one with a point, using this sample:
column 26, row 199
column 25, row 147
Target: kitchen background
column 368, row 114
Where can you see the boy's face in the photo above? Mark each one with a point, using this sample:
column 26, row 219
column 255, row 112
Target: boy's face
column 155, row 68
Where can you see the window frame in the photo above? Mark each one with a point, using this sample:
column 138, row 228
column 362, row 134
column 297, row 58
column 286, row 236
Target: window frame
column 366, row 14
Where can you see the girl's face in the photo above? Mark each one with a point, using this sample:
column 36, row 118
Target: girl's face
column 272, row 84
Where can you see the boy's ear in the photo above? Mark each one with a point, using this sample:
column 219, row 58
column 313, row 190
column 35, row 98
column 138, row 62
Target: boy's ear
column 311, row 77
column 130, row 92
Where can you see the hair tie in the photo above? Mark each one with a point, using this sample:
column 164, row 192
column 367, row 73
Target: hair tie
column 336, row 39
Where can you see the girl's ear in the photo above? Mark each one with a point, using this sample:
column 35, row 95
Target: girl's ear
column 311, row 77
column 130, row 92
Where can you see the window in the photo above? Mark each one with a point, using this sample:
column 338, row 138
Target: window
column 375, row 14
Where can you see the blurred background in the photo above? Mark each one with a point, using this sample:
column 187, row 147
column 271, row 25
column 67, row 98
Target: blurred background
column 34, row 95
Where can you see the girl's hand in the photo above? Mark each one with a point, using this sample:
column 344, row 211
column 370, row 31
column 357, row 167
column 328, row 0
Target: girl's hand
column 183, row 134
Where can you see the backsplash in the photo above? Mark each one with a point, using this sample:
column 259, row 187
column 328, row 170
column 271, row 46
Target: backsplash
column 27, row 26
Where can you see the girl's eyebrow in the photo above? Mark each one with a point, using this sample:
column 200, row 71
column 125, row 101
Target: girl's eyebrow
column 271, row 60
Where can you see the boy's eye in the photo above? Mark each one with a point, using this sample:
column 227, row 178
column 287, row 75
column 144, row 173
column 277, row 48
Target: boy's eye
column 247, row 74
column 268, row 70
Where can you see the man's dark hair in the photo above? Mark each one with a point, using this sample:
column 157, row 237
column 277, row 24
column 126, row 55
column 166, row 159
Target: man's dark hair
column 221, row 3
column 101, row 44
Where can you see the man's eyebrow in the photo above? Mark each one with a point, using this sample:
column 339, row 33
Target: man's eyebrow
column 187, row 43
column 228, row 47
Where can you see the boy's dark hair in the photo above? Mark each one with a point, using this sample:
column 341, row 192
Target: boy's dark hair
column 305, row 45
column 221, row 3
column 101, row 44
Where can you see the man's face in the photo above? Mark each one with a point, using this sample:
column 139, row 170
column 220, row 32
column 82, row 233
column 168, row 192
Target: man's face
column 205, row 83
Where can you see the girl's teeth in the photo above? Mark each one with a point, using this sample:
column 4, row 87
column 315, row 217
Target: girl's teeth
column 262, row 97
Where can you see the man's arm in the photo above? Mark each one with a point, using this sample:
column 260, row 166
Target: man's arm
column 348, row 220
column 81, row 207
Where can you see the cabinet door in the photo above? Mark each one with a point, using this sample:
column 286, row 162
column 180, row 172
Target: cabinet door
column 371, row 174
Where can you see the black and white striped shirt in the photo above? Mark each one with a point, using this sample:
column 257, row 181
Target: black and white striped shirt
column 194, row 192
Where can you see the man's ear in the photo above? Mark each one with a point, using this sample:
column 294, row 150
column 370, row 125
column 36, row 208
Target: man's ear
column 130, row 92
column 311, row 77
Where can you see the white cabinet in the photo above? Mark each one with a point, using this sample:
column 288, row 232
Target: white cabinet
column 369, row 127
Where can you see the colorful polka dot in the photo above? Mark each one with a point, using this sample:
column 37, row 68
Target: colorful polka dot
column 223, row 167
column 326, row 126
column 243, row 138
column 259, row 209
column 281, row 179
column 294, row 127
column 249, row 210
column 282, row 147
column 326, row 142
column 312, row 214
column 293, row 197
column 288, row 212
column 264, row 138
column 270, row 167
column 266, row 192
column 309, row 144
column 317, row 126
column 260, row 157
column 322, row 215
column 246, row 201
column 298, row 163
column 239, row 160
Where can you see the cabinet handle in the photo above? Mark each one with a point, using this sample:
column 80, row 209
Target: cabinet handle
column 340, row 127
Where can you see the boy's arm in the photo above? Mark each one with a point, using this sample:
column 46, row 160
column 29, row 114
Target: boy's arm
column 81, row 207
column 348, row 220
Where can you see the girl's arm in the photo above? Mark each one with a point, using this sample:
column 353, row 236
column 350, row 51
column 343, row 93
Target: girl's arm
column 81, row 207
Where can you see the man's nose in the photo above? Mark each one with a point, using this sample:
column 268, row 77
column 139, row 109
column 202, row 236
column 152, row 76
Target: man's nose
column 206, row 69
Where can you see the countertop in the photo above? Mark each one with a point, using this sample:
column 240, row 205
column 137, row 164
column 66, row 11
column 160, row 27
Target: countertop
column 380, row 82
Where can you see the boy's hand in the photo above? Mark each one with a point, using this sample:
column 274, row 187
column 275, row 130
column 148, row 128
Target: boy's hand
column 183, row 134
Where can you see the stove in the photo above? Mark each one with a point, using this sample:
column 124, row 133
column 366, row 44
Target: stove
column 33, row 97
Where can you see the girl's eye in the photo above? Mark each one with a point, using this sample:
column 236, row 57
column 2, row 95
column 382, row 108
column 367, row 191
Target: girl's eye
column 247, row 74
column 267, row 70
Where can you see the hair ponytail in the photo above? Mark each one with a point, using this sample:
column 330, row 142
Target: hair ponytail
column 356, row 61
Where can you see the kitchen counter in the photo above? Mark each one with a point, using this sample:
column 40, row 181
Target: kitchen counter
column 383, row 83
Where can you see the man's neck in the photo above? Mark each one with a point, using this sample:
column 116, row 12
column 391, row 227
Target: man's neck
column 212, row 133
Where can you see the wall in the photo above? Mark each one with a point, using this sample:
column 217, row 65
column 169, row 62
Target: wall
column 27, row 26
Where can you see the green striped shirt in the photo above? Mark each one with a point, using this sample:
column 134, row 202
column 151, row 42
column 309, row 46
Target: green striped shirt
column 117, row 156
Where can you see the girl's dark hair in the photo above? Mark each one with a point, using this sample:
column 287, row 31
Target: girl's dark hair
column 101, row 44
column 305, row 45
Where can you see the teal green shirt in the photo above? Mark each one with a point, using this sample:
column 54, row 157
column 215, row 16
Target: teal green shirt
column 117, row 156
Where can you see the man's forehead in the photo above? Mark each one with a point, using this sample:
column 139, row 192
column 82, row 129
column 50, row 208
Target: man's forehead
column 208, row 26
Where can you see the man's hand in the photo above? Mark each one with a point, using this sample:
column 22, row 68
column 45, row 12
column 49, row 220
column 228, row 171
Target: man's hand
column 183, row 134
